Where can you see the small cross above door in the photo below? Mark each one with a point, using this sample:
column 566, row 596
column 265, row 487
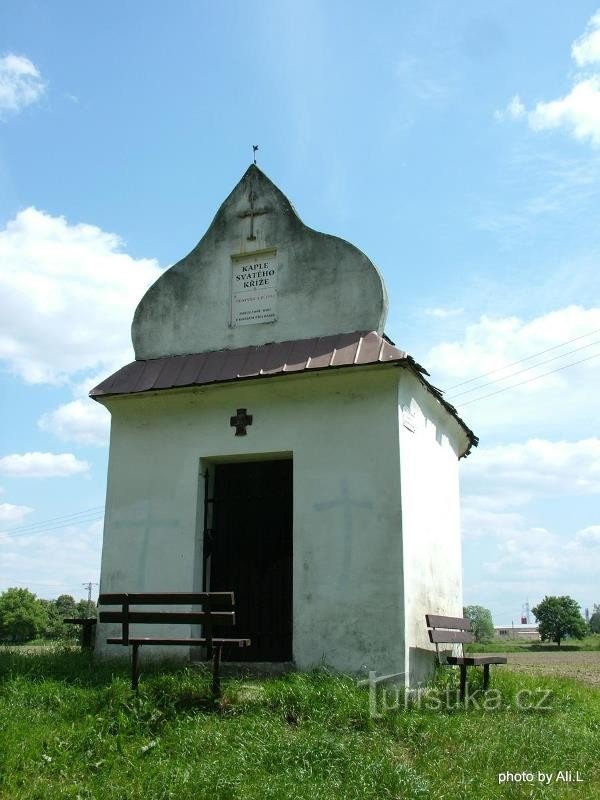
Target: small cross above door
column 240, row 422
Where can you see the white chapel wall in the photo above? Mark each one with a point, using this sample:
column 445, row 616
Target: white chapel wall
column 430, row 443
column 342, row 431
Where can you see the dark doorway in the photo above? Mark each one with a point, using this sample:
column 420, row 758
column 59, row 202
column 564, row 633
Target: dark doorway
column 249, row 552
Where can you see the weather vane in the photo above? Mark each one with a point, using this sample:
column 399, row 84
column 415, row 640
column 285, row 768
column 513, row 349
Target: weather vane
column 254, row 149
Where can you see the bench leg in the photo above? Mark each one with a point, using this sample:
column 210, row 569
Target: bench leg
column 135, row 668
column 86, row 641
column 463, row 681
column 486, row 676
column 216, row 678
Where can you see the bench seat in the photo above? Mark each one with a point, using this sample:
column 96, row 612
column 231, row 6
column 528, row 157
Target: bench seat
column 476, row 661
column 199, row 642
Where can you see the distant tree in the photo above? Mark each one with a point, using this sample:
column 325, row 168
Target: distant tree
column 481, row 622
column 56, row 611
column 559, row 617
column 54, row 628
column 595, row 620
column 66, row 605
column 22, row 615
column 82, row 608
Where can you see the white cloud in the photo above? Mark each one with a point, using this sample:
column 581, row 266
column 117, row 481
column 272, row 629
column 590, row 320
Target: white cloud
column 536, row 467
column 507, row 552
column 13, row 515
column 514, row 109
column 479, row 522
column 20, row 84
column 38, row 561
column 589, row 535
column 444, row 313
column 42, row 465
column 578, row 112
column 68, row 293
column 517, row 560
column 515, row 398
column 81, row 421
column 586, row 49
column 492, row 343
column 539, row 555
column 499, row 482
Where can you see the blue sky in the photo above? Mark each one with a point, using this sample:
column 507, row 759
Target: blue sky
column 457, row 144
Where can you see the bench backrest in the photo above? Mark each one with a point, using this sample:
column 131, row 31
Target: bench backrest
column 212, row 612
column 449, row 630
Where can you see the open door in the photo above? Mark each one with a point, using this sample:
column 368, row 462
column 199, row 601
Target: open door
column 250, row 553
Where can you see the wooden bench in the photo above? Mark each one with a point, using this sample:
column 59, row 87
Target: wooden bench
column 208, row 618
column 456, row 630
column 88, row 626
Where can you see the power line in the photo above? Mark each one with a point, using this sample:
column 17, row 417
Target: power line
column 66, row 518
column 49, row 530
column 525, row 369
column 521, row 360
column 55, row 584
column 55, row 519
column 529, row 380
column 61, row 526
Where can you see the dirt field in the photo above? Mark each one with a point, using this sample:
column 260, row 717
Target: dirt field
column 582, row 665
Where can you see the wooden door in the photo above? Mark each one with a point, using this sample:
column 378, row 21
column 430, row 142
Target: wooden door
column 251, row 555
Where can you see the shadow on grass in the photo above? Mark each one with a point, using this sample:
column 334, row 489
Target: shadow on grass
column 76, row 667
column 168, row 685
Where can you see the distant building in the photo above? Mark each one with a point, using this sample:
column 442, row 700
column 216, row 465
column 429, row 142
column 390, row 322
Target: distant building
column 529, row 632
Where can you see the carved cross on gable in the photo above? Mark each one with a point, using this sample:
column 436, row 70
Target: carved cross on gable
column 253, row 212
column 240, row 422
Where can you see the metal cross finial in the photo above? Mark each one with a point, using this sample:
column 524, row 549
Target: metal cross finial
column 254, row 149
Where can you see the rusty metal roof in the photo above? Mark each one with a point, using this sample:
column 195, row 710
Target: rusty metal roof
column 279, row 358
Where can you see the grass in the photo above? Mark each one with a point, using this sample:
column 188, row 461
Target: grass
column 520, row 646
column 71, row 728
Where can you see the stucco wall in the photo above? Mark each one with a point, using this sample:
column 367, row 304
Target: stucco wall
column 430, row 518
column 341, row 429
column 325, row 285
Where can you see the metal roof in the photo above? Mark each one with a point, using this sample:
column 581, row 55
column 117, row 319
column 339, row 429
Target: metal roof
column 279, row 358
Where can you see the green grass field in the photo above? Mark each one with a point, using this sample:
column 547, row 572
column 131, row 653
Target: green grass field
column 72, row 728
column 498, row 645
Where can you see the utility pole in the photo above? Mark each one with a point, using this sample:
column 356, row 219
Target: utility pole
column 88, row 586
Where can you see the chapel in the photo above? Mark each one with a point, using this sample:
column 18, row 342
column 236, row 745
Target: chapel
column 271, row 440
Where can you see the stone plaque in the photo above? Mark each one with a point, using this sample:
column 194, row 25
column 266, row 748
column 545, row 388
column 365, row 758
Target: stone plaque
column 254, row 288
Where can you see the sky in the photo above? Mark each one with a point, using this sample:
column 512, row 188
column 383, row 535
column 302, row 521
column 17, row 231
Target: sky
column 457, row 144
